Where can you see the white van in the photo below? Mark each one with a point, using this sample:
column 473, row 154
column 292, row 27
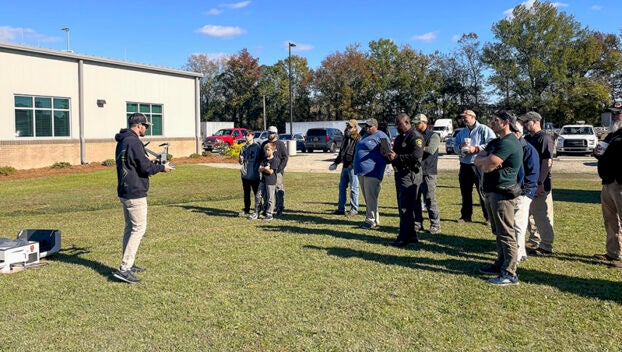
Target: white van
column 444, row 128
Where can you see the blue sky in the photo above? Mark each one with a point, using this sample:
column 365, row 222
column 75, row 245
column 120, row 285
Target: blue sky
column 165, row 33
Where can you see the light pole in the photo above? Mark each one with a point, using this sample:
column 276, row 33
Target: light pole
column 66, row 29
column 291, row 110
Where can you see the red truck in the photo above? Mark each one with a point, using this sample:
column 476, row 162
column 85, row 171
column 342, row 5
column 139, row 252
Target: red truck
column 226, row 135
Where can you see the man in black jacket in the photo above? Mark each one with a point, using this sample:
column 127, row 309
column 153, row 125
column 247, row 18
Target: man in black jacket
column 346, row 156
column 133, row 171
column 610, row 172
column 406, row 159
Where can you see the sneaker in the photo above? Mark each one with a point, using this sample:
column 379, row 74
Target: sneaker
column 504, row 280
column 490, row 269
column 368, row 226
column 137, row 269
column 127, row 276
column 268, row 218
column 279, row 213
column 539, row 252
column 531, row 245
column 434, row 230
column 462, row 221
column 253, row 216
column 352, row 213
column 339, row 212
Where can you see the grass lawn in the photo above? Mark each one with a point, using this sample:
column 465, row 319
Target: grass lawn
column 311, row 281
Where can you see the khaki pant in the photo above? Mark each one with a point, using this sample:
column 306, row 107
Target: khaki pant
column 135, row 213
column 611, row 202
column 541, row 222
column 521, row 220
column 370, row 187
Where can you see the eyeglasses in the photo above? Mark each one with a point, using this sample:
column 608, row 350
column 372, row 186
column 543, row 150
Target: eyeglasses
column 348, row 126
column 144, row 124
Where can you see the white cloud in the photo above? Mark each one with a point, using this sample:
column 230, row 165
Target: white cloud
column 221, row 31
column 597, row 7
column 455, row 38
column 426, row 38
column 12, row 34
column 237, row 5
column 300, row 47
column 214, row 12
column 558, row 4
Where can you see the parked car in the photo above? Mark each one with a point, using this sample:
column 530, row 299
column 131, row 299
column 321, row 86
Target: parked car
column 226, row 135
column 326, row 139
column 576, row 139
column 449, row 142
column 300, row 140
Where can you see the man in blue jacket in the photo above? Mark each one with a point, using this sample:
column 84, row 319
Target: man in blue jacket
column 528, row 179
column 133, row 171
column 369, row 166
column 469, row 174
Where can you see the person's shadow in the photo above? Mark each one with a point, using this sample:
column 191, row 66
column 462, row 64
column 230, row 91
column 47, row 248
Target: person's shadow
column 73, row 255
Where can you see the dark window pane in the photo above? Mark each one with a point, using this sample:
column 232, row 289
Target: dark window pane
column 144, row 108
column 23, row 123
column 132, row 107
column 156, row 109
column 156, row 129
column 61, row 123
column 23, row 102
column 43, row 123
column 60, row 103
column 43, row 102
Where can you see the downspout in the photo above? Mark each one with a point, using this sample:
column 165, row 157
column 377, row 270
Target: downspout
column 197, row 114
column 81, row 111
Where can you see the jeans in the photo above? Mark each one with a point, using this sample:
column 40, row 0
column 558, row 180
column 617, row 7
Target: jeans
column 427, row 191
column 247, row 186
column 266, row 192
column 280, row 191
column 135, row 214
column 348, row 177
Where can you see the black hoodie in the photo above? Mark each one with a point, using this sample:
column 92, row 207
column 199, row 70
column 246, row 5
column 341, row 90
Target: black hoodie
column 133, row 166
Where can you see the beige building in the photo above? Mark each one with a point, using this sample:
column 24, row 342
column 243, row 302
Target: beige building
column 58, row 106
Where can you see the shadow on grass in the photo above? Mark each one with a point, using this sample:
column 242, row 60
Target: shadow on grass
column 591, row 288
column 211, row 211
column 73, row 255
column 576, row 196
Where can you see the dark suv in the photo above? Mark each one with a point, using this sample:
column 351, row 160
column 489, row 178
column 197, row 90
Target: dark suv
column 323, row 138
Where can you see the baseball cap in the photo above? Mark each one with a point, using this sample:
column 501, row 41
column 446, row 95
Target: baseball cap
column 419, row 118
column 371, row 122
column 531, row 116
column 272, row 129
column 469, row 113
column 509, row 116
column 616, row 107
column 138, row 119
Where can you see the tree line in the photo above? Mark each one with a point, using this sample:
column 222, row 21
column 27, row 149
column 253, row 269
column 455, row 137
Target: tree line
column 539, row 59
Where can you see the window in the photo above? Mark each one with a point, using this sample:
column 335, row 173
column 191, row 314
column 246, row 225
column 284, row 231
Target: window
column 153, row 112
column 37, row 116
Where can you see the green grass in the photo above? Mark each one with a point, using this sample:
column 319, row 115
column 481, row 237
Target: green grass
column 311, row 281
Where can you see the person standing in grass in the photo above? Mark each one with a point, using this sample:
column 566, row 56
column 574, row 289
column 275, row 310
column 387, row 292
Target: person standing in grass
column 610, row 172
column 249, row 159
column 133, row 171
column 280, row 152
column 406, row 159
column 267, row 188
column 346, row 156
column 369, row 166
column 429, row 167
column 500, row 162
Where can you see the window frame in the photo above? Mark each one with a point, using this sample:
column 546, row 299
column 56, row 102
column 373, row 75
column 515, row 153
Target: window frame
column 45, row 114
column 149, row 114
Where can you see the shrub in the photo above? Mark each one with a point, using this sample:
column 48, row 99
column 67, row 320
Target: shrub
column 206, row 153
column 109, row 162
column 61, row 165
column 194, row 155
column 7, row 170
column 234, row 151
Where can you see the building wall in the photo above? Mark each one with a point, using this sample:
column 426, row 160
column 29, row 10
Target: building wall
column 42, row 72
